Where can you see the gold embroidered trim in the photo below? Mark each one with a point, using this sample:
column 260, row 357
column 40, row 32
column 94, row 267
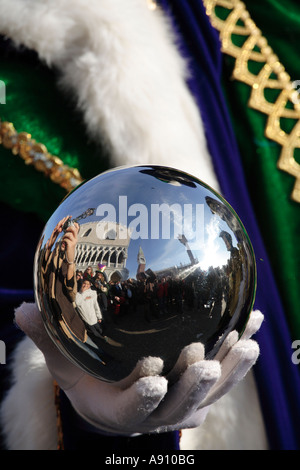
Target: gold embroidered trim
column 272, row 75
column 36, row 154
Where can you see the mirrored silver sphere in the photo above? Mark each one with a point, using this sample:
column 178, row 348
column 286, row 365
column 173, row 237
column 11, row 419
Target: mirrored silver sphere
column 142, row 261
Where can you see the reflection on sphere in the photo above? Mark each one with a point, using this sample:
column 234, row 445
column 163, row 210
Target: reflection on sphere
column 160, row 261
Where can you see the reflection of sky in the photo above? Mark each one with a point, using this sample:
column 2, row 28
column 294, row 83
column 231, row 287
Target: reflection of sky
column 162, row 254
column 147, row 190
column 214, row 252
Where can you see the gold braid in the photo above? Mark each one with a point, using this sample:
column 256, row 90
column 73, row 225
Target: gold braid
column 272, row 75
column 36, row 154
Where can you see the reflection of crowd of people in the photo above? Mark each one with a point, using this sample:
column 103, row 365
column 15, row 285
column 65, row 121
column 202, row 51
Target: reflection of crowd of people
column 151, row 297
column 154, row 297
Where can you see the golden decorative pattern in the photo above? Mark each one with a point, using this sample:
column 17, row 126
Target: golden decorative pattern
column 36, row 154
column 272, row 75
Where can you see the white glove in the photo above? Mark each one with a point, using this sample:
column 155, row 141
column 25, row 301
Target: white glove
column 145, row 401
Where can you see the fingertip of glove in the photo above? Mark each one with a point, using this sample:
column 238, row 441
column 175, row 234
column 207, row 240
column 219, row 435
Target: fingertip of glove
column 203, row 371
column 26, row 309
column 257, row 314
column 255, row 321
column 146, row 367
column 258, row 318
column 141, row 399
column 153, row 387
column 247, row 350
column 150, row 366
column 27, row 317
column 192, row 353
column 21, row 314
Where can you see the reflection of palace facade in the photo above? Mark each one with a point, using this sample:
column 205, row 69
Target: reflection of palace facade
column 109, row 249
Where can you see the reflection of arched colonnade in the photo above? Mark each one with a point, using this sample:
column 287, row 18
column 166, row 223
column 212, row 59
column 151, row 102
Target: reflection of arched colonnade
column 110, row 250
column 94, row 255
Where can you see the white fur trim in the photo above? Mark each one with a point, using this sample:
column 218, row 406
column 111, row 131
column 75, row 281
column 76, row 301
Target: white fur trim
column 28, row 415
column 119, row 60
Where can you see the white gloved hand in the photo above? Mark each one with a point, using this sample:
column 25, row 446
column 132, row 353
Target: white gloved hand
column 146, row 401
